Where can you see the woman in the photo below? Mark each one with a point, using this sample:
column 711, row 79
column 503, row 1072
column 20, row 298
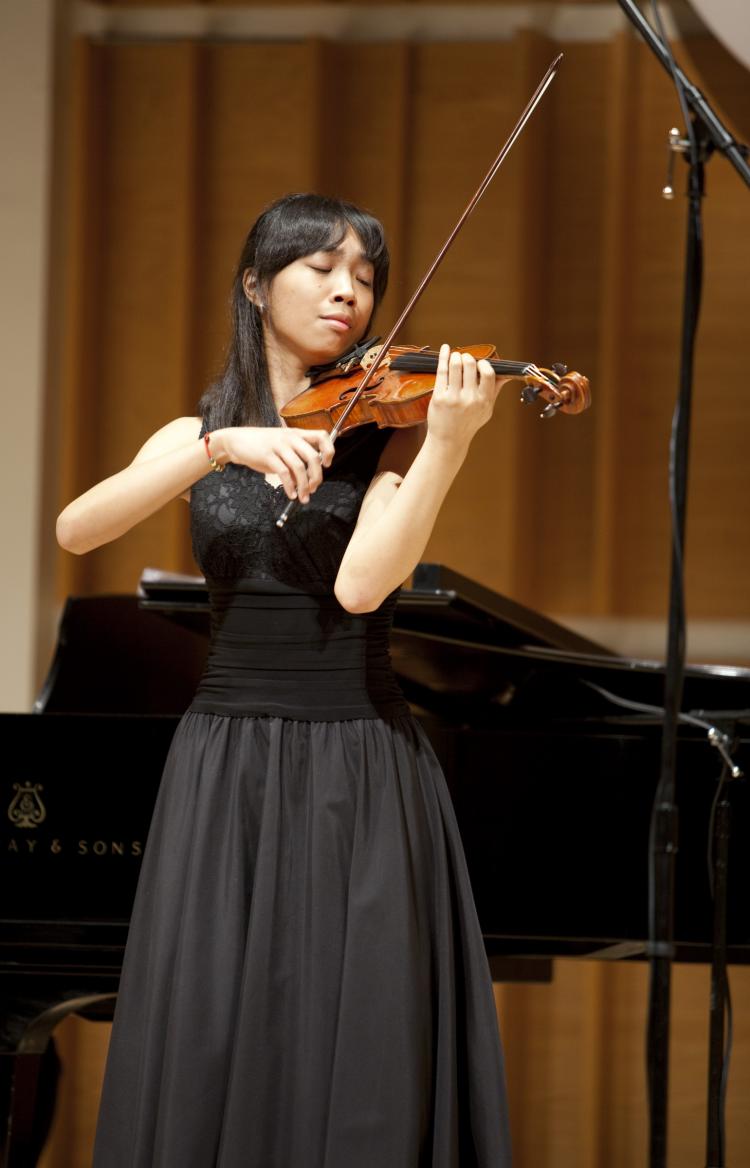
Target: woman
column 305, row 984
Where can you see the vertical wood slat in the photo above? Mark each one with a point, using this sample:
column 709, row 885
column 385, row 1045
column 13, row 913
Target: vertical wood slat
column 80, row 280
column 533, row 291
column 460, row 123
column 365, row 146
column 558, row 501
column 137, row 327
column 150, row 197
column 649, row 364
column 594, row 1053
column 720, row 467
column 616, row 250
column 259, row 109
column 82, row 1048
column 186, row 275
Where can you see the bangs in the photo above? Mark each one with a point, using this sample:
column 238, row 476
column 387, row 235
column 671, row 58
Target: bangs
column 300, row 225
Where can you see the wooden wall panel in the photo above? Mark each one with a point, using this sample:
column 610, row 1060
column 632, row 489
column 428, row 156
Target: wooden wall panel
column 140, row 288
column 259, row 132
column 650, row 314
column 82, row 1050
column 572, row 255
column 614, row 248
column 649, row 370
column 557, row 496
column 366, row 145
column 720, row 479
column 77, row 292
column 575, row 1057
column 460, row 123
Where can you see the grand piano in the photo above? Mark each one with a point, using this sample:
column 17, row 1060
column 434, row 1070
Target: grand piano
column 550, row 744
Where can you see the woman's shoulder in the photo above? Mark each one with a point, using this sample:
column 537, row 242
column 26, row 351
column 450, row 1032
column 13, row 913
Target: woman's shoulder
column 178, row 432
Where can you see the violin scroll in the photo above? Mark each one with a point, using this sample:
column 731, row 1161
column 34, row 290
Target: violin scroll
column 565, row 393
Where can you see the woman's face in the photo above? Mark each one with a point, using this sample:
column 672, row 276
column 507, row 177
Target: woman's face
column 318, row 306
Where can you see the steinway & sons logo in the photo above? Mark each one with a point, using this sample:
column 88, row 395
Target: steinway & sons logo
column 26, row 807
column 27, row 810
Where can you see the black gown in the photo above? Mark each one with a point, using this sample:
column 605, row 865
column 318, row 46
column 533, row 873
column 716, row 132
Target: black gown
column 305, row 983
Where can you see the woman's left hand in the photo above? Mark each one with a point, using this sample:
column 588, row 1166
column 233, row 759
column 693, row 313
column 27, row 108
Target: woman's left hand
column 463, row 398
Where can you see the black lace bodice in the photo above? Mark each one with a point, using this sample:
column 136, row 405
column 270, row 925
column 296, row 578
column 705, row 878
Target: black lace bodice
column 233, row 519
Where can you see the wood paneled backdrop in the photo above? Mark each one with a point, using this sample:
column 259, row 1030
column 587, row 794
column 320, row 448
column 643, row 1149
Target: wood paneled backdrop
column 572, row 256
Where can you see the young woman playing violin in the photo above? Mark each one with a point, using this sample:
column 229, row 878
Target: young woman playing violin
column 305, row 983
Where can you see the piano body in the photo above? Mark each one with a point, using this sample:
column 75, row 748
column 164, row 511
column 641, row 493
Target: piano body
column 552, row 785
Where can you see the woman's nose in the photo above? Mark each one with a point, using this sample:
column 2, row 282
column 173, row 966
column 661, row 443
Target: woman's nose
column 344, row 289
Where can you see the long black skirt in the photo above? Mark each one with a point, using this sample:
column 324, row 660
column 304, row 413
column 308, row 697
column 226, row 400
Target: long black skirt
column 305, row 983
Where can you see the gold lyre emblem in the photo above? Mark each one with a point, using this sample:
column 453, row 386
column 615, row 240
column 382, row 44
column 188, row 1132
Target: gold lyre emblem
column 26, row 807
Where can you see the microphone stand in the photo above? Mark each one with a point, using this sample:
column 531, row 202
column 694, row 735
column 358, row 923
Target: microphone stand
column 708, row 134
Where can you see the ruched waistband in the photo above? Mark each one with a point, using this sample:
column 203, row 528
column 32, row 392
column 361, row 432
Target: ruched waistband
column 296, row 655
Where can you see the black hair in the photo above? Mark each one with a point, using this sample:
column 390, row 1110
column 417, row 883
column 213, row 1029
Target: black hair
column 292, row 227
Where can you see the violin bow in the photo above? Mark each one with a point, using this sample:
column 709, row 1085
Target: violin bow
column 533, row 102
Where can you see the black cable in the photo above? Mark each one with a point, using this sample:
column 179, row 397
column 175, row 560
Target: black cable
column 729, row 1024
column 711, row 822
column 725, row 1066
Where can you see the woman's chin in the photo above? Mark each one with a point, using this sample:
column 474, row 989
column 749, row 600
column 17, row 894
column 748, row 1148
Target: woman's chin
column 324, row 355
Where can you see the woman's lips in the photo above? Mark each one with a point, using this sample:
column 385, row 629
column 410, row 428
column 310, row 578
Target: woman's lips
column 338, row 323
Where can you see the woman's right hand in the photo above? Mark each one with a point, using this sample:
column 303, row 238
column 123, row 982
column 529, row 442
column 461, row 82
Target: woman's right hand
column 296, row 457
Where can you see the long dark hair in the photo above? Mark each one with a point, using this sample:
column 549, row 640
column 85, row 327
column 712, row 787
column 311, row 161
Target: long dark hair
column 292, row 227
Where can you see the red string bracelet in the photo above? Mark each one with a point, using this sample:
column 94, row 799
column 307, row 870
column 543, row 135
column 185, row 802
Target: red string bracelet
column 212, row 461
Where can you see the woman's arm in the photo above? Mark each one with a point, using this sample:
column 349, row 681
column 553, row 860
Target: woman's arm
column 401, row 505
column 173, row 459
column 166, row 465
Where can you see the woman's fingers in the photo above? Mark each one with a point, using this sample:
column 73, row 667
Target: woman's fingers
column 441, row 377
column 470, row 374
column 305, row 453
column 325, row 445
column 277, row 466
column 489, row 383
column 463, row 398
column 455, row 371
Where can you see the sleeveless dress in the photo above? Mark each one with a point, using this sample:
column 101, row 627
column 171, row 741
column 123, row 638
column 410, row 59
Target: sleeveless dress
column 305, row 983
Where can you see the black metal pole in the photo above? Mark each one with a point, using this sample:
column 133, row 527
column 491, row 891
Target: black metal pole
column 665, row 834
column 706, row 133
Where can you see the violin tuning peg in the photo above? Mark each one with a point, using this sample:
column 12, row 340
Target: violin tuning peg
column 529, row 394
column 559, row 369
column 550, row 410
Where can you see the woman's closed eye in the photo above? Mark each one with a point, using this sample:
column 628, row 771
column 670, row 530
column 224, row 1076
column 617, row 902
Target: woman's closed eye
column 361, row 279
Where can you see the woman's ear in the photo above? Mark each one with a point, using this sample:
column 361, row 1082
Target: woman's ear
column 250, row 288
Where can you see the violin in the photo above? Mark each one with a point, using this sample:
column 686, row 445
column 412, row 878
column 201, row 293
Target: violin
column 344, row 404
column 399, row 394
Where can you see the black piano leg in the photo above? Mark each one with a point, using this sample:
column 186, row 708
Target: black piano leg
column 31, row 1107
